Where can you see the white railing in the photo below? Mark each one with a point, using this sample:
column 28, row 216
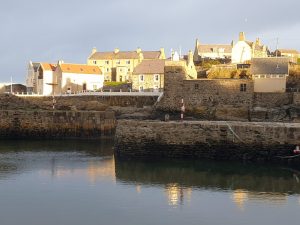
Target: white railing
column 94, row 94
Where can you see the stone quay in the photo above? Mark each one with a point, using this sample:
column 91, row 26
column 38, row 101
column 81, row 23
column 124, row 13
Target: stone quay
column 56, row 124
column 217, row 140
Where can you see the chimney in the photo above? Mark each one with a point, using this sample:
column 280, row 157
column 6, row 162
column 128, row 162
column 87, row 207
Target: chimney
column 116, row 51
column 138, row 50
column 94, row 50
column 141, row 56
column 60, row 62
column 242, row 36
column 258, row 42
column 232, row 43
column 162, row 54
column 197, row 42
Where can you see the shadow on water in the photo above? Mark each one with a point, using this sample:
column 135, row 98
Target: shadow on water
column 19, row 156
column 210, row 175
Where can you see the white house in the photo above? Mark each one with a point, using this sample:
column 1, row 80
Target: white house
column 73, row 78
column 212, row 51
column 45, row 78
column 243, row 51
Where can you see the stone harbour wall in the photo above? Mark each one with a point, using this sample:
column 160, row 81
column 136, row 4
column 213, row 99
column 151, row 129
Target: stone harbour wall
column 206, row 139
column 297, row 98
column 56, row 124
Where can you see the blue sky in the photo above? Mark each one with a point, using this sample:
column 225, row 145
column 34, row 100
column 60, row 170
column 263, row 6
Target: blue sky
column 41, row 30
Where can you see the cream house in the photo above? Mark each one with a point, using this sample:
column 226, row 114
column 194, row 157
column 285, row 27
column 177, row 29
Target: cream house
column 74, row 78
column 119, row 65
column 211, row 51
column 270, row 74
column 292, row 54
column 243, row 51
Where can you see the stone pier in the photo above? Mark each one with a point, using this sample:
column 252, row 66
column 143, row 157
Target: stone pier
column 218, row 140
column 56, row 124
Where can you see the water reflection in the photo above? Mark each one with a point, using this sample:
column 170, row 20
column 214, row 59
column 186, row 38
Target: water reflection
column 177, row 194
column 248, row 183
column 96, row 163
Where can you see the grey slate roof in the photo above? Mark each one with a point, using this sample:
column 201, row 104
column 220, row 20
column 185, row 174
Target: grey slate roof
column 271, row 65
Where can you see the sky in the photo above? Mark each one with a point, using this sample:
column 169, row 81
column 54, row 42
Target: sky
column 48, row 31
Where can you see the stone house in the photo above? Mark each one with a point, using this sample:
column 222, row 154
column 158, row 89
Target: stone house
column 211, row 51
column 119, row 65
column 243, row 51
column 292, row 54
column 31, row 78
column 149, row 75
column 203, row 93
column 44, row 83
column 270, row 74
column 74, row 78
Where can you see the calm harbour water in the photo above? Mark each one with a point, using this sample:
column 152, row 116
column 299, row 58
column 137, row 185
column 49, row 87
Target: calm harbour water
column 80, row 183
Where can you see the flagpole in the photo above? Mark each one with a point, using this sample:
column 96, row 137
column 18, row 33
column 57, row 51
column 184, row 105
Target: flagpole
column 11, row 84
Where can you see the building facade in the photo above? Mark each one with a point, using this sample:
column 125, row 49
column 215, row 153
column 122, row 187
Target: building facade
column 149, row 75
column 44, row 84
column 243, row 51
column 270, row 74
column 211, row 51
column 292, row 54
column 31, row 78
column 75, row 78
column 119, row 65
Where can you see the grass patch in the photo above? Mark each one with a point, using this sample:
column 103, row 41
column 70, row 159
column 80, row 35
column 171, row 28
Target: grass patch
column 113, row 83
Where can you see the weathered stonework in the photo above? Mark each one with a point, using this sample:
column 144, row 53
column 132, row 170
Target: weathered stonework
column 206, row 139
column 297, row 98
column 56, row 124
column 225, row 99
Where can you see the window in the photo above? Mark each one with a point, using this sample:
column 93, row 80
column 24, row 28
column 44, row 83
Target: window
column 128, row 62
column 107, row 62
column 243, row 87
column 120, row 69
column 107, row 69
column 95, row 87
column 95, row 62
column 118, row 62
column 141, row 78
column 156, row 77
column 196, row 86
column 141, row 89
column 128, row 69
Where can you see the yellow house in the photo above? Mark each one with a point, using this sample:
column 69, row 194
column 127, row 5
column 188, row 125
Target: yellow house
column 119, row 65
